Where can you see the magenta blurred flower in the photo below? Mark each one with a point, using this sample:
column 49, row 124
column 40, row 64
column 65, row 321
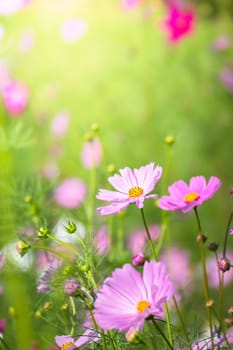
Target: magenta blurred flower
column 213, row 272
column 231, row 231
column 71, row 193
column 9, row 7
column 138, row 239
column 132, row 187
column 91, row 153
column 2, row 325
column 60, row 124
column 136, row 296
column 129, row 5
column 73, row 29
column 179, row 22
column 222, row 43
column 15, row 97
column 102, row 241
column 226, row 77
column 185, row 197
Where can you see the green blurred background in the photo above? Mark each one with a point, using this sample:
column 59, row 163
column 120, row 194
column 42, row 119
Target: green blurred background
column 126, row 76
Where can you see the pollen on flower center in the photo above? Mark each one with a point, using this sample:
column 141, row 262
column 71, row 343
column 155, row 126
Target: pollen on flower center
column 190, row 197
column 142, row 305
column 135, row 192
column 67, row 345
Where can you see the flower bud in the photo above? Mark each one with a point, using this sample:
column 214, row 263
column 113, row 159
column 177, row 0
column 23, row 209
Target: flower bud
column 228, row 321
column 213, row 246
column 22, row 247
column 111, row 168
column 201, row 238
column 138, row 259
column 224, row 264
column 88, row 137
column 71, row 286
column 95, row 127
column 132, row 336
column 65, row 307
column 209, row 303
column 70, row 227
column 47, row 306
column 231, row 191
column 230, row 310
column 169, row 140
column 43, row 232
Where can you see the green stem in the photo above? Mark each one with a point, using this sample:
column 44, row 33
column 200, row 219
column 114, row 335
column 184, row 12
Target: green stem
column 226, row 235
column 154, row 255
column 60, row 255
column 162, row 334
column 64, row 244
column 73, row 308
column 182, row 322
column 204, row 272
column 156, row 259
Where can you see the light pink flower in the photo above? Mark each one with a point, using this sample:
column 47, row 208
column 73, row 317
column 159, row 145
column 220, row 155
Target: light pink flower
column 185, row 197
column 222, row 43
column 71, row 193
column 138, row 239
column 132, row 187
column 136, row 296
column 179, row 22
column 178, row 264
column 27, row 40
column 129, row 5
column 226, row 77
column 60, row 124
column 9, row 7
column 15, row 97
column 213, row 272
column 50, row 171
column 102, row 241
column 73, row 29
column 91, row 153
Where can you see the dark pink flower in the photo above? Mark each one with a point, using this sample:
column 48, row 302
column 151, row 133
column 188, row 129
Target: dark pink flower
column 71, row 193
column 2, row 325
column 138, row 259
column 179, row 22
column 185, row 197
column 15, row 97
column 136, row 296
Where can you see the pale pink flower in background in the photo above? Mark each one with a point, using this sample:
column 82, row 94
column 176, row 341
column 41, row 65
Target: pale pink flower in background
column 222, row 43
column 132, row 186
column 180, row 21
column 71, row 193
column 129, row 5
column 50, row 171
column 2, row 260
column 213, row 271
column 226, row 77
column 9, row 7
column 91, row 154
column 136, row 296
column 185, row 197
column 138, row 239
column 5, row 78
column 2, row 31
column 27, row 40
column 15, row 97
column 178, row 264
column 60, row 124
column 102, row 241
column 73, row 29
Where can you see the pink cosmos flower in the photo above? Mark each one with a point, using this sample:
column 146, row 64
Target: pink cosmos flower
column 132, row 187
column 136, row 296
column 185, row 197
column 60, row 124
column 91, row 153
column 73, row 29
column 179, row 22
column 15, row 97
column 71, row 193
column 137, row 240
column 212, row 271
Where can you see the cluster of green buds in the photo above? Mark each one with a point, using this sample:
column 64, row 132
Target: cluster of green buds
column 43, row 232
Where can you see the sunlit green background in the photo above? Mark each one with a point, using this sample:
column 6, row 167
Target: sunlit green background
column 124, row 75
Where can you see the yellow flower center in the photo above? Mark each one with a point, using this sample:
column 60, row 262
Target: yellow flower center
column 67, row 345
column 142, row 305
column 190, row 197
column 135, row 192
